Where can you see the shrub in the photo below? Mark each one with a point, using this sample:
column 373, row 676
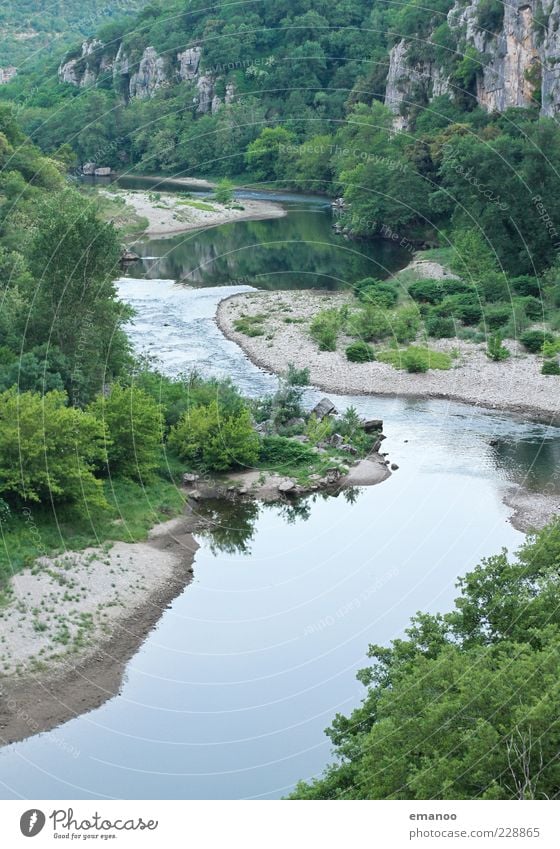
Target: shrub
column 526, row 285
column 533, row 308
column 324, row 329
column 439, row 327
column 533, row 340
column 550, row 367
column 464, row 307
column 496, row 350
column 360, row 352
column 371, row 322
column 497, row 316
column 426, row 291
column 551, row 347
column 60, row 447
column 379, row 292
column 250, row 325
column 318, row 430
column 134, row 422
column 204, row 437
column 277, row 451
column 416, row 359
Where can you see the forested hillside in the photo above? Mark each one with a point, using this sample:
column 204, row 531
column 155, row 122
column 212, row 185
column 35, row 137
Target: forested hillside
column 28, row 26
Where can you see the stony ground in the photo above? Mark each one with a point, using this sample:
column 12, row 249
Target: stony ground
column 515, row 384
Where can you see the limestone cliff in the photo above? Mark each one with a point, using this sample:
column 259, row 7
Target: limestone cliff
column 514, row 56
column 142, row 77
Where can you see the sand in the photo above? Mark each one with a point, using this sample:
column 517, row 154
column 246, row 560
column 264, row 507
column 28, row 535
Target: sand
column 76, row 620
column 169, row 214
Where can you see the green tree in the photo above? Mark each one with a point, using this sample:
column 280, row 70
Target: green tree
column 265, row 155
column 134, row 424
column 224, row 191
column 209, row 438
column 49, row 451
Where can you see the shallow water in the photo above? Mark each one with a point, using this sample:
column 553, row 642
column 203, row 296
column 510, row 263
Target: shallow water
column 230, row 693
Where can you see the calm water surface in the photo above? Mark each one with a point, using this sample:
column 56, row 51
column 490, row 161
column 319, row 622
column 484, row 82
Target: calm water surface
column 229, row 695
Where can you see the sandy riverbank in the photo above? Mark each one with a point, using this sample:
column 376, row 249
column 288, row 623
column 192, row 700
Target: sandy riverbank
column 515, row 385
column 76, row 620
column 170, row 214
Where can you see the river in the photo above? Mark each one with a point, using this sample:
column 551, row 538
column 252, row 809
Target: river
column 229, row 694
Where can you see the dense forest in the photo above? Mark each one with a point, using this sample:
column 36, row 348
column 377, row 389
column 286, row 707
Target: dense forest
column 28, row 27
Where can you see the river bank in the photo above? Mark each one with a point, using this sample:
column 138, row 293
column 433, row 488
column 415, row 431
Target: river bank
column 170, row 214
column 77, row 619
column 515, row 385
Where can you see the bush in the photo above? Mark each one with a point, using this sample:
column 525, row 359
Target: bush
column 60, row 447
column 426, row 291
column 496, row 350
column 496, row 317
column 533, row 308
column 360, row 352
column 134, row 422
column 526, row 286
column 550, row 367
column 318, row 430
column 324, row 329
column 277, row 452
column 439, row 327
column 464, row 307
column 206, row 438
column 379, row 292
column 250, row 325
column 371, row 322
column 416, row 359
column 533, row 340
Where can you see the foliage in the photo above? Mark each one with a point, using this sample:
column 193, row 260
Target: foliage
column 278, row 453
column 379, row 292
column 496, row 350
column 250, row 325
column 135, row 423
column 49, row 451
column 324, row 329
column 318, row 430
column 360, row 352
column 224, row 191
column 550, row 367
column 464, row 707
column 207, row 438
column 533, row 340
column 416, row 359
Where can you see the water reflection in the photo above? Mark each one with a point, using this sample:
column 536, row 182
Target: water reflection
column 300, row 251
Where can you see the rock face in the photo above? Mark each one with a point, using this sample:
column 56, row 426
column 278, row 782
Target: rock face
column 84, row 69
column 150, row 76
column 519, row 62
column 143, row 78
column 189, row 60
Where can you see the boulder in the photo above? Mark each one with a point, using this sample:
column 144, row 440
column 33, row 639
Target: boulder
column 371, row 425
column 336, row 440
column 286, row 486
column 394, row 467
column 189, row 478
column 324, row 408
column 348, row 449
column 88, row 169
